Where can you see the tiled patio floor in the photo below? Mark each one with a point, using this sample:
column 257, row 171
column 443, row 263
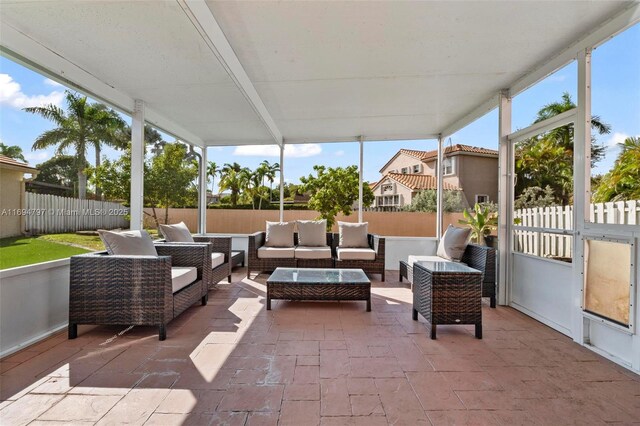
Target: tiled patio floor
column 232, row 362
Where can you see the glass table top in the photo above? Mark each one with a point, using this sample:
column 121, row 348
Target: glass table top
column 450, row 267
column 318, row 276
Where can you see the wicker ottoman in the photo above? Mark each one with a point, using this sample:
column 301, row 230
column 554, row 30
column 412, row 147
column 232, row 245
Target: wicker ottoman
column 447, row 293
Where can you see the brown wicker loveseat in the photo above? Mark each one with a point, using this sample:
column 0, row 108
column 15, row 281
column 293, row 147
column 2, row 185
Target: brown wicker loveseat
column 255, row 263
column 136, row 290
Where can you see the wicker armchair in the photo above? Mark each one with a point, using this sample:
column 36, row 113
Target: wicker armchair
column 218, row 245
column 483, row 259
column 135, row 290
column 375, row 266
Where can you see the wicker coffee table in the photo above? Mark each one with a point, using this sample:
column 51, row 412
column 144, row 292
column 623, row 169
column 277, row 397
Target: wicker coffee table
column 318, row 284
column 447, row 293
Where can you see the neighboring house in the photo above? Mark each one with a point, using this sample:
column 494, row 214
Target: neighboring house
column 469, row 169
column 12, row 195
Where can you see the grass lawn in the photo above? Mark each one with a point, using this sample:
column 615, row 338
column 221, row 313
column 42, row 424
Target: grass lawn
column 90, row 242
column 20, row 251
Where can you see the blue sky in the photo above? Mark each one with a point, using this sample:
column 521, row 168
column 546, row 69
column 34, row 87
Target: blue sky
column 615, row 98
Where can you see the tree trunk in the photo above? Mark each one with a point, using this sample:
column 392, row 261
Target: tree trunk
column 82, row 184
column 98, row 190
column 166, row 215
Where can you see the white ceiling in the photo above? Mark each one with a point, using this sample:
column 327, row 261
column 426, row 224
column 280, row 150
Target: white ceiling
column 326, row 71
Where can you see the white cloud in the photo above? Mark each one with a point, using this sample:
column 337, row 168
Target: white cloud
column 557, row 77
column 615, row 139
column 340, row 153
column 52, row 83
column 11, row 94
column 37, row 156
column 291, row 151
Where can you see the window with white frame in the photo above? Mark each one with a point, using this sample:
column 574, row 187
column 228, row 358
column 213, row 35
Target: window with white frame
column 405, row 170
column 449, row 166
column 482, row 198
column 417, row 168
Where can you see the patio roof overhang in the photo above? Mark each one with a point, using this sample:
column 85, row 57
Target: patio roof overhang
column 234, row 73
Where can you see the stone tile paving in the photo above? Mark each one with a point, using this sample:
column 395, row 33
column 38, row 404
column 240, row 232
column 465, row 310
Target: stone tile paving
column 325, row 363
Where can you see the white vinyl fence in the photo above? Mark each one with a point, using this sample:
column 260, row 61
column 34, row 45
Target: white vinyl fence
column 50, row 214
column 560, row 218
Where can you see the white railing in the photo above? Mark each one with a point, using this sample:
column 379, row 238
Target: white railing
column 552, row 240
column 49, row 214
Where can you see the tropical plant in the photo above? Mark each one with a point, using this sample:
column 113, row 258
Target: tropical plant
column 168, row 179
column 82, row 126
column 233, row 179
column 427, row 200
column 547, row 159
column 59, row 170
column 622, row 182
column 534, row 196
column 13, row 151
column 335, row 190
column 481, row 222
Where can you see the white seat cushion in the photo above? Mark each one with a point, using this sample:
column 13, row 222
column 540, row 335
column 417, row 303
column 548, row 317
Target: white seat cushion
column 353, row 234
column 303, row 252
column 348, row 253
column 217, row 259
column 312, row 233
column 276, row 252
column 182, row 277
column 279, row 234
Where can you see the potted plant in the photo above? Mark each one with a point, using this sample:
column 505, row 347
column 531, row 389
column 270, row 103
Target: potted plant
column 482, row 221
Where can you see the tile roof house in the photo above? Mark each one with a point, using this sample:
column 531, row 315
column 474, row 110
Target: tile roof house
column 472, row 170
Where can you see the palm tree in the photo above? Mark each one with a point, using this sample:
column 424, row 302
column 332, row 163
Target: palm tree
column 231, row 179
column 110, row 129
column 83, row 125
column 547, row 159
column 622, row 182
column 270, row 174
column 13, row 151
column 213, row 170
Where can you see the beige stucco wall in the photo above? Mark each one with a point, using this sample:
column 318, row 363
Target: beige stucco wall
column 478, row 175
column 401, row 190
column 400, row 224
column 10, row 198
column 403, row 160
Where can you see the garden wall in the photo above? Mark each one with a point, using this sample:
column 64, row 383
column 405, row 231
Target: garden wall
column 401, row 224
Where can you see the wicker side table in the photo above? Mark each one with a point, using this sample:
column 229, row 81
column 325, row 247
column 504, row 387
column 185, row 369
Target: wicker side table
column 447, row 293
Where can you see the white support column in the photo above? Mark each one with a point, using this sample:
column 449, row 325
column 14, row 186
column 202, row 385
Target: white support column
column 581, row 187
column 360, row 170
column 202, row 194
column 440, row 188
column 282, row 182
column 505, row 198
column 137, row 165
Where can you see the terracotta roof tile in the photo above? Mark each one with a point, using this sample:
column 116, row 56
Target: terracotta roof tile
column 427, row 155
column 15, row 163
column 418, row 182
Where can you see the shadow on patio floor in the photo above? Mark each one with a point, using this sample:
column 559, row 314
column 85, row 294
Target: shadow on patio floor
column 309, row 363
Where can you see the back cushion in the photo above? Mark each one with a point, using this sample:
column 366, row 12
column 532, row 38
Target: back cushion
column 453, row 243
column 178, row 233
column 312, row 233
column 353, row 235
column 136, row 243
column 279, row 234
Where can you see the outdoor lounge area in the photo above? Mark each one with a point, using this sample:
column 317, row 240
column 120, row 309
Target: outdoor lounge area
column 540, row 329
column 303, row 363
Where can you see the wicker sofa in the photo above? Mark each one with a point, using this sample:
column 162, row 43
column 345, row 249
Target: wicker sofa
column 257, row 263
column 370, row 266
column 478, row 257
column 136, row 290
